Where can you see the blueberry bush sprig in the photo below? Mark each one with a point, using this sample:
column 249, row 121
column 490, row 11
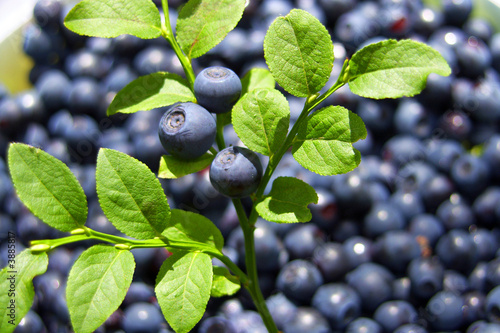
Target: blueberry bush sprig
column 299, row 53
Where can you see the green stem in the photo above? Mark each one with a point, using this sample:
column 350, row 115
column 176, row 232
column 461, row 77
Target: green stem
column 168, row 34
column 251, row 266
column 219, row 137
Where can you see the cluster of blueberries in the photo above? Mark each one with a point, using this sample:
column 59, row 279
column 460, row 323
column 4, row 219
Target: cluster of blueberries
column 407, row 242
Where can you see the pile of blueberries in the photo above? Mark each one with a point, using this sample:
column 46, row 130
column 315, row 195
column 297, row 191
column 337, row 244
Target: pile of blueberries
column 407, row 242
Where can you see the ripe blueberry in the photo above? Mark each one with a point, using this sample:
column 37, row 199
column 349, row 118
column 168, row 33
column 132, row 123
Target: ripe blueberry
column 236, row 172
column 187, row 130
column 217, row 89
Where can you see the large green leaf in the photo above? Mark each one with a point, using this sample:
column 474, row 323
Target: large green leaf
column 257, row 78
column 16, row 281
column 111, row 18
column 287, row 202
column 261, row 119
column 324, row 141
column 224, row 284
column 47, row 187
column 130, row 195
column 172, row 167
column 392, row 69
column 151, row 91
column 193, row 228
column 299, row 53
column 202, row 24
column 97, row 285
column 183, row 288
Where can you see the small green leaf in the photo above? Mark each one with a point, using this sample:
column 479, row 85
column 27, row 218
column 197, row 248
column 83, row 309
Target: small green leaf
column 97, row 285
column 202, row 24
column 151, row 91
column 299, row 52
column 287, row 202
column 47, row 187
column 172, row 167
column 261, row 119
column 224, row 284
column 16, row 283
column 130, row 195
column 111, row 18
column 257, row 78
column 392, row 69
column 194, row 228
column 324, row 141
column 183, row 288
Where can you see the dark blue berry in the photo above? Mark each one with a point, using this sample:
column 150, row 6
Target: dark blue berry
column 307, row 320
column 217, row 89
column 445, row 311
column 142, row 317
column 339, row 303
column 236, row 172
column 187, row 130
column 426, row 276
column 299, row 279
column 392, row 314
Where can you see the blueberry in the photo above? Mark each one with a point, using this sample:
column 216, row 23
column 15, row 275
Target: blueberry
column 477, row 278
column 427, row 226
column 373, row 284
column 31, row 105
column 412, row 118
column 474, row 306
column 409, row 203
column 119, row 77
column 187, row 130
column 358, row 250
column 248, row 322
column 88, row 64
column 362, row 325
column 307, row 320
column 392, row 314
column 445, row 311
column 325, row 212
column 401, row 289
column 301, row 241
column 486, row 243
column 31, row 322
column 493, row 273
column 217, row 89
column 331, row 260
column 281, row 308
column 138, row 292
column 410, row 328
column 455, row 213
column 426, row 276
column 442, row 153
column 142, row 317
column 236, row 172
column 299, row 279
column 53, row 87
column 44, row 47
column 471, row 174
column 457, row 12
column 491, row 154
column 85, row 96
column 217, row 324
column 402, row 148
column 436, row 190
column 474, row 57
column 493, row 305
column 339, row 303
column 381, row 218
column 153, row 59
column 59, row 122
column 457, row 250
column 456, row 124
column 36, row 135
column 395, row 249
column 11, row 117
column 46, row 14
column 377, row 116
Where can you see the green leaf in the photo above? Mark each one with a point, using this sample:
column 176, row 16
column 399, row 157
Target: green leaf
column 224, row 284
column 392, row 69
column 257, row 78
column 47, row 187
column 261, row 119
column 324, row 141
column 193, row 228
column 287, row 202
column 202, row 24
column 16, row 297
column 151, row 91
column 97, row 285
column 299, row 52
column 172, row 167
column 130, row 195
column 183, row 288
column 111, row 18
